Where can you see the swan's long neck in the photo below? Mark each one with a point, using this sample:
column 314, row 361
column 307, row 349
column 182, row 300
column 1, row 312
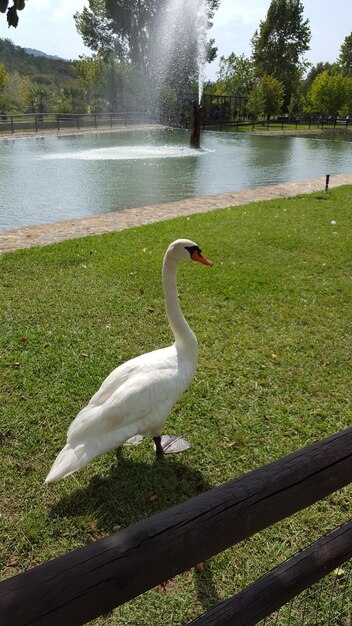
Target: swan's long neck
column 185, row 339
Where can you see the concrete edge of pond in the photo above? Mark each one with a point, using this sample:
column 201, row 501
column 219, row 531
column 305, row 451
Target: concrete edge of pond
column 45, row 234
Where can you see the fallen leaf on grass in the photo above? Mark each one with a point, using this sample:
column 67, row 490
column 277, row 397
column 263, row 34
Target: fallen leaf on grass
column 200, row 567
column 338, row 572
column 163, row 586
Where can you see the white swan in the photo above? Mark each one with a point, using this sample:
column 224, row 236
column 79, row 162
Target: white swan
column 137, row 396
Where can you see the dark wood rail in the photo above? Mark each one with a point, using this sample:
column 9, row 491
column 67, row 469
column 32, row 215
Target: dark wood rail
column 83, row 584
column 283, row 583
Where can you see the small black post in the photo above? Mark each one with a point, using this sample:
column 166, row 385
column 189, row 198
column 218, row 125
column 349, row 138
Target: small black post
column 327, row 183
column 194, row 140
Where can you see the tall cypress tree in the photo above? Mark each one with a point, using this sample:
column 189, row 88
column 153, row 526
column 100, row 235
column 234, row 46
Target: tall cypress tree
column 279, row 44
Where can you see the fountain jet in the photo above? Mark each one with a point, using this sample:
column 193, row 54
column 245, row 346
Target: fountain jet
column 179, row 46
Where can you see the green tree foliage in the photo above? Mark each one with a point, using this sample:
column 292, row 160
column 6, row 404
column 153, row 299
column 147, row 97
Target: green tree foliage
column 266, row 97
column 12, row 10
column 255, row 103
column 345, row 58
column 126, row 28
column 72, row 99
column 97, row 31
column 39, row 97
column 16, row 93
column 330, row 94
column 314, row 71
column 236, row 75
column 108, row 84
column 4, row 78
column 278, row 46
column 89, row 71
column 121, row 86
column 273, row 95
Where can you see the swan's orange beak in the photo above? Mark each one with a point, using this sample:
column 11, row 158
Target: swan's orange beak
column 197, row 256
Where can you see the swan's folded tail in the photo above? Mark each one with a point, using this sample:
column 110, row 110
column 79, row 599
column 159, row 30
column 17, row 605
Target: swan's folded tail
column 69, row 460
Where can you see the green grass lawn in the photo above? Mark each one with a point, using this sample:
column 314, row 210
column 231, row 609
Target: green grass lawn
column 284, row 127
column 273, row 320
column 248, row 128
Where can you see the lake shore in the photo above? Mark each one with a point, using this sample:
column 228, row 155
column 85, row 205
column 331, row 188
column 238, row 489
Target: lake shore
column 45, row 234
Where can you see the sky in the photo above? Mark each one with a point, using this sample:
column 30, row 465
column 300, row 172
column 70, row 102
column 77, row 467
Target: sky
column 48, row 25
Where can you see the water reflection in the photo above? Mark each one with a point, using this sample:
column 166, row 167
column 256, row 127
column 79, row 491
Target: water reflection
column 56, row 178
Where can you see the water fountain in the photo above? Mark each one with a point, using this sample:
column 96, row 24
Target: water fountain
column 201, row 31
column 179, row 52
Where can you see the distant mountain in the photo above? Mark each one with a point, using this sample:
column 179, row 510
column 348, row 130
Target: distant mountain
column 39, row 53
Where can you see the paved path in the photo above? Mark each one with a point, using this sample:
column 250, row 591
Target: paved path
column 45, row 234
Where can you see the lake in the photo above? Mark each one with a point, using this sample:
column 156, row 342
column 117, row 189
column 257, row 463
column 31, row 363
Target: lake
column 51, row 178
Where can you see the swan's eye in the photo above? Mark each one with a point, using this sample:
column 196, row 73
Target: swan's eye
column 192, row 250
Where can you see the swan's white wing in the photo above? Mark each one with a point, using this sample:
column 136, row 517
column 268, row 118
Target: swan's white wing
column 143, row 363
column 143, row 400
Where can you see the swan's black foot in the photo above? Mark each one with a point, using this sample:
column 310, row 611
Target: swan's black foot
column 158, row 448
column 171, row 444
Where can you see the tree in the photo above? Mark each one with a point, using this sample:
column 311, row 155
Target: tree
column 4, row 78
column 236, row 75
column 255, row 103
column 11, row 12
column 16, row 93
column 273, row 95
column 39, row 97
column 127, row 28
column 345, row 58
column 330, row 94
column 314, row 71
column 278, row 46
column 72, row 99
column 89, row 71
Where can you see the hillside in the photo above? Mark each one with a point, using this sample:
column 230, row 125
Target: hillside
column 39, row 53
column 16, row 59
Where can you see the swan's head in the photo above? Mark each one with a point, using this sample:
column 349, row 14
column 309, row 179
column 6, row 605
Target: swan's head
column 186, row 250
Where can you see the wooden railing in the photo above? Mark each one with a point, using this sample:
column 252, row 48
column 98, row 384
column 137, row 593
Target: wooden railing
column 60, row 121
column 83, row 584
